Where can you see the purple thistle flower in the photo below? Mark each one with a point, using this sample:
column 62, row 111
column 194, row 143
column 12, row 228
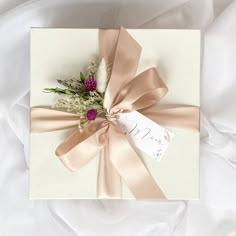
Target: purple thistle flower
column 91, row 114
column 90, row 84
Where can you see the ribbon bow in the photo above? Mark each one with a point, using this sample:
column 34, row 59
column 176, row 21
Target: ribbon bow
column 124, row 93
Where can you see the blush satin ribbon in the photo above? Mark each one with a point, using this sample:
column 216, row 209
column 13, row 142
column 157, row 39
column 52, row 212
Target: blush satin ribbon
column 124, row 93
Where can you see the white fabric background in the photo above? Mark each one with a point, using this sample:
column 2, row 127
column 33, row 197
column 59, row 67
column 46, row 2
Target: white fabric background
column 213, row 215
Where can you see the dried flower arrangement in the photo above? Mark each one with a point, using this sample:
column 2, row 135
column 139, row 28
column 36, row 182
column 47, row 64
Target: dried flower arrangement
column 85, row 95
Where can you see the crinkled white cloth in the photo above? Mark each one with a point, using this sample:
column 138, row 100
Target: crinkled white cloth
column 213, row 215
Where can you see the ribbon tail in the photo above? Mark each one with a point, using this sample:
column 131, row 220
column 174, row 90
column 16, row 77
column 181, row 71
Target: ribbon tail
column 108, row 180
column 177, row 116
column 131, row 168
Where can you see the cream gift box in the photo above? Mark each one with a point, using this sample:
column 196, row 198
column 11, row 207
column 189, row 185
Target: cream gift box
column 63, row 53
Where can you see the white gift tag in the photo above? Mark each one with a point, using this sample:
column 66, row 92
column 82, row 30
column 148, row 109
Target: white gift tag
column 145, row 134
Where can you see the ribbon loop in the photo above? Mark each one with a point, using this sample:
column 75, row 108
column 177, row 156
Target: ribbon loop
column 143, row 91
column 125, row 63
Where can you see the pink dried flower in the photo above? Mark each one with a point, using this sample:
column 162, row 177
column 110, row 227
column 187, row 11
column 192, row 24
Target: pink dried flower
column 91, row 114
column 90, row 84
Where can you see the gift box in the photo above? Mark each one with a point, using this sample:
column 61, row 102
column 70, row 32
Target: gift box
column 59, row 54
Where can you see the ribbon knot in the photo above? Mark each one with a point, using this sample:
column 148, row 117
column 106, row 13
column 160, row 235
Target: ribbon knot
column 112, row 118
column 102, row 137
